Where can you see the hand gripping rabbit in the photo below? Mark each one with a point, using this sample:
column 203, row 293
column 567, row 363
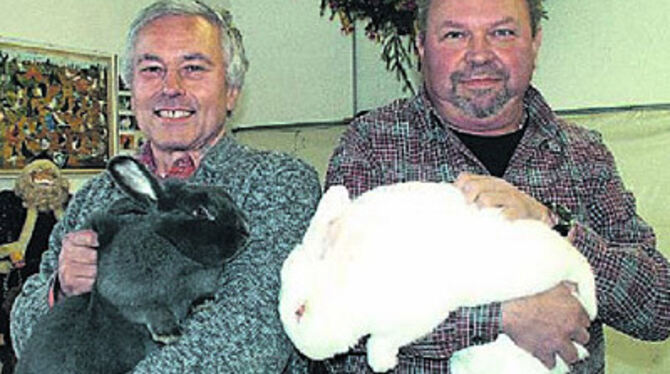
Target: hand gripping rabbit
column 162, row 249
column 397, row 260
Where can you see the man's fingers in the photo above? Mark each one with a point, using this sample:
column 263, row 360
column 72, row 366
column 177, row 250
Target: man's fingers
column 490, row 192
column 75, row 270
column 81, row 255
column 77, row 280
column 469, row 186
column 463, row 178
column 83, row 238
column 79, row 247
column 581, row 336
column 476, row 192
column 569, row 353
column 502, row 200
column 78, row 262
column 584, row 319
column 548, row 360
column 572, row 286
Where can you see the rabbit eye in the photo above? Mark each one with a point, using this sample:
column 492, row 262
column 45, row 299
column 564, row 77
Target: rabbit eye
column 202, row 212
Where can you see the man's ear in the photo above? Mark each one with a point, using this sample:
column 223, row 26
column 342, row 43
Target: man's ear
column 231, row 98
column 419, row 41
column 537, row 42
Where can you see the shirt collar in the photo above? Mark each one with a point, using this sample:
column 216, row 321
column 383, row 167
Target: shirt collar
column 181, row 168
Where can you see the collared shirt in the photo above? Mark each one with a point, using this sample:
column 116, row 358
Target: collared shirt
column 181, row 168
column 554, row 162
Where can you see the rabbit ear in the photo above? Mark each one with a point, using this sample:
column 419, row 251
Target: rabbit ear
column 135, row 179
column 332, row 204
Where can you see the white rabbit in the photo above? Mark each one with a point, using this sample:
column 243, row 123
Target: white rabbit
column 394, row 262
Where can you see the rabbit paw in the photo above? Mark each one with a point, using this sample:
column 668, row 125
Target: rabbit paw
column 164, row 337
column 163, row 326
column 382, row 354
column 201, row 303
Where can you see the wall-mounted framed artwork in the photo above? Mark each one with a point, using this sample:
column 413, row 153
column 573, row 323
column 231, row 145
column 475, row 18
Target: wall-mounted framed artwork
column 131, row 138
column 56, row 103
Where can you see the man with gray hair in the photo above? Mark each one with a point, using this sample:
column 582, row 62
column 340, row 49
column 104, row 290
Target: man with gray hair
column 185, row 65
column 479, row 123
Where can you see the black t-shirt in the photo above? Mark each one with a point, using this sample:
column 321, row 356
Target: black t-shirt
column 493, row 151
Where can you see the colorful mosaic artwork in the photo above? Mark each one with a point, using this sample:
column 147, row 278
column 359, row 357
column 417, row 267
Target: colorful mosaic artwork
column 57, row 104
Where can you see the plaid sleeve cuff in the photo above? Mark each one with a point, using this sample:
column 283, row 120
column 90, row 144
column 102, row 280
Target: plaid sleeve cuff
column 481, row 324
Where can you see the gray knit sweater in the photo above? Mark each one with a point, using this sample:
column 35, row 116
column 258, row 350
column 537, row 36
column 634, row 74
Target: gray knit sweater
column 241, row 333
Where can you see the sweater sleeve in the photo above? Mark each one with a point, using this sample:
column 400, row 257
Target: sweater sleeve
column 240, row 331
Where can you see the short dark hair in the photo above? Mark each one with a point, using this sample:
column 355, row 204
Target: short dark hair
column 535, row 7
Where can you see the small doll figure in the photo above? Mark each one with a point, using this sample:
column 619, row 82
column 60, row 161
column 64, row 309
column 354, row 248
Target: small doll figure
column 27, row 216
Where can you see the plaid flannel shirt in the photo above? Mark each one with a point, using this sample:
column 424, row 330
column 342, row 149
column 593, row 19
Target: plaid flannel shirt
column 554, row 162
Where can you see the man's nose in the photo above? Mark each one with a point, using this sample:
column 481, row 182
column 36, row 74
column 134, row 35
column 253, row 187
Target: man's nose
column 172, row 84
column 479, row 49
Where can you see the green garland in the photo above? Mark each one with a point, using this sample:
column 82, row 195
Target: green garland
column 388, row 21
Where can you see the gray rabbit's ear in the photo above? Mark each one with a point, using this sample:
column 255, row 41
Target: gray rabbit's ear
column 134, row 179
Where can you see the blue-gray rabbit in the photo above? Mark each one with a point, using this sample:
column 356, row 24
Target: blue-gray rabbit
column 162, row 250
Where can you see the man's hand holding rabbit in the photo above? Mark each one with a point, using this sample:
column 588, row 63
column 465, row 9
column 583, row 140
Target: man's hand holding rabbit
column 546, row 324
column 77, row 262
column 488, row 191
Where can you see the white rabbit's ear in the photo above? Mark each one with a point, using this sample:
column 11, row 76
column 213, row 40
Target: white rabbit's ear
column 333, row 230
column 134, row 179
column 331, row 206
column 333, row 203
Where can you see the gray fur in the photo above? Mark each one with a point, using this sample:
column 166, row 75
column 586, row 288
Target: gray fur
column 162, row 250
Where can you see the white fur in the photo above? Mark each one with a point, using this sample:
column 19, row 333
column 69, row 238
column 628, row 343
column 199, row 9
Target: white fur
column 397, row 260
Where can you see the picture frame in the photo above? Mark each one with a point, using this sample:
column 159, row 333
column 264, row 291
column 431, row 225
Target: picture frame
column 130, row 136
column 57, row 104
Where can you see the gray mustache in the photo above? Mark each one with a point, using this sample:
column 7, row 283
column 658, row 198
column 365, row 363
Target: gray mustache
column 486, row 69
column 173, row 102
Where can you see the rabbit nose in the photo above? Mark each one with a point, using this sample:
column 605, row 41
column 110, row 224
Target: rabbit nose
column 299, row 313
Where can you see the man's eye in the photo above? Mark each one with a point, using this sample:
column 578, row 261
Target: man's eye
column 194, row 68
column 504, row 33
column 151, row 70
column 454, row 35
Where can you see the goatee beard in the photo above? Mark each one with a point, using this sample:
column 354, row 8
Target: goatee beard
column 476, row 105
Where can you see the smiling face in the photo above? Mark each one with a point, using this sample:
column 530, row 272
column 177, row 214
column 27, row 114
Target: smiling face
column 478, row 58
column 179, row 92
